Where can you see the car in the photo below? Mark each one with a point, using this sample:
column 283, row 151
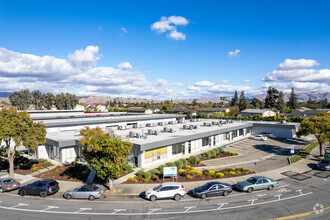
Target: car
column 259, row 138
column 257, row 183
column 212, row 189
column 267, row 134
column 172, row 190
column 89, row 192
column 324, row 164
column 7, row 184
column 40, row 187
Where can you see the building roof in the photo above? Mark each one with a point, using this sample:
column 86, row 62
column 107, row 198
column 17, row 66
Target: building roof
column 256, row 111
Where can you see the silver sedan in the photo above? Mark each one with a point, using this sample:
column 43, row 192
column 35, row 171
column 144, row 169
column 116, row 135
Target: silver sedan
column 90, row 192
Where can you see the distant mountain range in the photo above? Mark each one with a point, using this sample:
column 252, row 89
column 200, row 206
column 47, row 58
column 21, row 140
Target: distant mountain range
column 302, row 97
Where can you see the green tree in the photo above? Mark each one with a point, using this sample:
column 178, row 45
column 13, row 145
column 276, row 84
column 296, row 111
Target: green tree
column 258, row 104
column 281, row 106
column 21, row 99
column 167, row 105
column 292, row 103
column 319, row 125
column 194, row 102
column 17, row 129
column 38, row 99
column 270, row 101
column 49, row 101
column 234, row 101
column 243, row 103
column 105, row 154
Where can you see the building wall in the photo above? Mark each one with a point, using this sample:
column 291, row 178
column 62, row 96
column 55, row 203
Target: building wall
column 277, row 132
column 42, row 152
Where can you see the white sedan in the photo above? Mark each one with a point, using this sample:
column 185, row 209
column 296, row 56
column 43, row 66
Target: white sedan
column 259, row 138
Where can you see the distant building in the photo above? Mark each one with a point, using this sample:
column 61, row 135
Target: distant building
column 140, row 110
column 305, row 112
column 177, row 110
column 261, row 112
column 79, row 107
column 212, row 110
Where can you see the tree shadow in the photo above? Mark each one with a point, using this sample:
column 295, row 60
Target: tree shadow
column 312, row 166
column 292, row 141
column 273, row 149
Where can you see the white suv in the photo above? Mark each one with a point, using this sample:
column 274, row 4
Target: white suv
column 166, row 190
column 259, row 138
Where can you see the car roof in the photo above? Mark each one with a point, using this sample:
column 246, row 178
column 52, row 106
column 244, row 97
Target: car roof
column 171, row 184
column 6, row 178
column 327, row 160
column 259, row 177
column 215, row 182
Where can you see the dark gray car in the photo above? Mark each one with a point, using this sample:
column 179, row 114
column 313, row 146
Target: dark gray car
column 7, row 184
column 90, row 192
column 324, row 165
column 212, row 189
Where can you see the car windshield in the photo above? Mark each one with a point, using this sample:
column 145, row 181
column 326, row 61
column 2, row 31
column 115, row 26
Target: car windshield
column 252, row 180
column 206, row 186
column 157, row 187
column 324, row 162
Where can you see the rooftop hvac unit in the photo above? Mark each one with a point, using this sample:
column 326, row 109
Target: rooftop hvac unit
column 131, row 134
column 184, row 127
column 170, row 122
column 160, row 123
column 170, row 130
column 195, row 126
column 190, row 127
column 165, row 129
column 204, row 124
column 135, row 126
column 148, row 125
column 155, row 133
column 137, row 135
column 149, row 132
column 213, row 122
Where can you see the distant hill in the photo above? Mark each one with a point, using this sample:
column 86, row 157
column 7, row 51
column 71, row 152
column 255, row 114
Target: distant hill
column 302, row 96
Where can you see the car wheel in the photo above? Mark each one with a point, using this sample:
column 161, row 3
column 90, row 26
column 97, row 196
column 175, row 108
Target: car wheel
column 250, row 190
column 43, row 194
column 225, row 193
column 22, row 193
column 203, row 196
column 270, row 187
column 153, row 198
column 91, row 197
column 177, row 197
column 69, row 196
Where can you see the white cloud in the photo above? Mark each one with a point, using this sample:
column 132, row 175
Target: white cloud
column 226, row 81
column 125, row 66
column 176, row 35
column 246, row 81
column 170, row 24
column 298, row 86
column 123, row 30
column 177, row 20
column 290, row 64
column 85, row 58
column 293, row 70
column 233, row 53
column 204, row 84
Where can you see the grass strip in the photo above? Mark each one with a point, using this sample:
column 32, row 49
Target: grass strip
column 304, row 152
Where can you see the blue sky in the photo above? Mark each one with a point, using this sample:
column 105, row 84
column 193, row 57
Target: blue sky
column 177, row 49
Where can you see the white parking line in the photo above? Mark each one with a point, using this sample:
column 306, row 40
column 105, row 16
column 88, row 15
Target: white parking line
column 252, row 201
column 50, row 207
column 261, row 195
column 279, row 196
column 299, row 190
column 118, row 210
column 152, row 210
column 19, row 204
column 221, row 204
column 188, row 208
column 82, row 209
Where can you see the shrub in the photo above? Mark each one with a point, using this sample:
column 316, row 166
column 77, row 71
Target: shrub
column 232, row 173
column 26, row 166
column 34, row 169
column 189, row 177
column 216, row 150
column 155, row 172
column 193, row 160
column 127, row 168
column 211, row 172
column 160, row 168
column 213, row 152
column 220, row 149
column 181, row 171
column 199, row 161
column 178, row 164
column 169, row 164
column 184, row 162
column 147, row 175
column 199, row 172
column 219, row 175
column 131, row 179
column 46, row 163
column 189, row 167
column 207, row 154
column 154, row 177
column 140, row 173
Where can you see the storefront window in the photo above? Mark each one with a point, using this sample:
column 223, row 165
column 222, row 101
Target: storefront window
column 205, row 141
column 155, row 154
column 177, row 148
column 234, row 133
